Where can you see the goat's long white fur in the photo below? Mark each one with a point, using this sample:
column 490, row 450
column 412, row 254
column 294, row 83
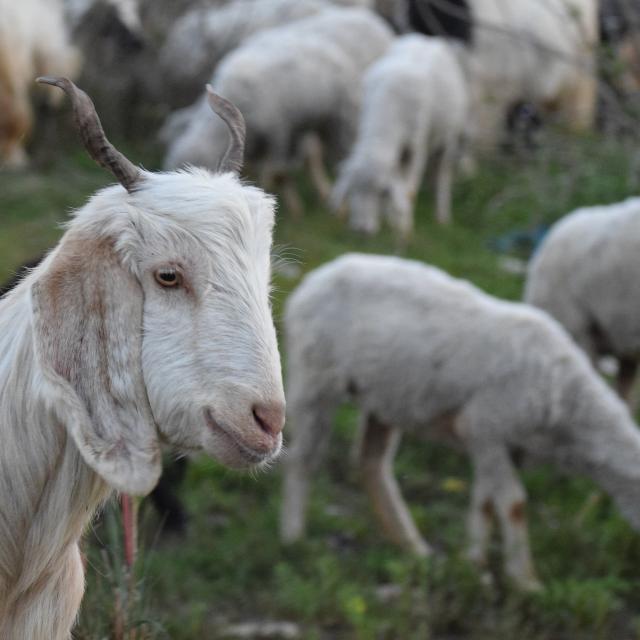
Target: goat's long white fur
column 99, row 363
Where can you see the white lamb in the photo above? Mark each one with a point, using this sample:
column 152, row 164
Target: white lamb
column 34, row 39
column 150, row 322
column 417, row 350
column 415, row 108
column 293, row 84
column 203, row 36
column 586, row 275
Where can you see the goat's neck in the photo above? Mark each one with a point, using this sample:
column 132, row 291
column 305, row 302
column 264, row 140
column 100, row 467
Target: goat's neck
column 47, row 492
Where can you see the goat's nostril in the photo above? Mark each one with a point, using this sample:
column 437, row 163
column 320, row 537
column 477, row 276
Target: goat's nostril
column 270, row 418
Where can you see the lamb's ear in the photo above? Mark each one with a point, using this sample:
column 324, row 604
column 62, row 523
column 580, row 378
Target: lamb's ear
column 87, row 314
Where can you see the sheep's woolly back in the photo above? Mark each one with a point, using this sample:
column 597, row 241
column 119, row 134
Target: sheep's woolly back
column 436, row 341
column 286, row 80
column 201, row 37
column 48, row 484
column 411, row 345
column 585, row 274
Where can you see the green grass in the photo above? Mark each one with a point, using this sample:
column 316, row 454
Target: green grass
column 231, row 566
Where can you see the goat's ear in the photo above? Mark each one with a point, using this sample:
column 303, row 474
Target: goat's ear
column 87, row 313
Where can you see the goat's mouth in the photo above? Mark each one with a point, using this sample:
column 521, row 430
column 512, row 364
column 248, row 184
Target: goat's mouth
column 251, row 455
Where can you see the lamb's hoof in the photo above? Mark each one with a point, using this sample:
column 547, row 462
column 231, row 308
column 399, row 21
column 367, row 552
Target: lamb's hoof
column 421, row 549
column 527, row 584
column 17, row 160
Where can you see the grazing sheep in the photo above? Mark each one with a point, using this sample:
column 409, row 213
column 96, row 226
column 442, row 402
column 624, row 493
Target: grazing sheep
column 415, row 349
column 538, row 51
column 585, row 274
column 295, row 85
column 203, row 36
column 150, row 322
column 415, row 108
column 33, row 39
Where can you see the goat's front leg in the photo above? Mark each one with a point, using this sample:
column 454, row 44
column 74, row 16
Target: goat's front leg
column 377, row 451
column 498, row 491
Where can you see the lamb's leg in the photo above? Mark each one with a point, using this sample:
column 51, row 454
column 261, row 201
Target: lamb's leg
column 378, row 449
column 314, row 156
column 501, row 491
column 291, row 197
column 312, row 422
column 272, row 179
column 480, row 522
column 444, row 181
column 626, row 379
column 577, row 103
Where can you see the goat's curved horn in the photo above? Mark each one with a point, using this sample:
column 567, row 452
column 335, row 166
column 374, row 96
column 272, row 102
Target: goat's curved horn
column 234, row 156
column 93, row 136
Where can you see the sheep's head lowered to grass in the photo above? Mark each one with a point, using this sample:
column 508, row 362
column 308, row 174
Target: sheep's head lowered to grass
column 152, row 320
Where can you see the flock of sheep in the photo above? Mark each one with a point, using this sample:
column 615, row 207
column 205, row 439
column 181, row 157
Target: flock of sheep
column 150, row 322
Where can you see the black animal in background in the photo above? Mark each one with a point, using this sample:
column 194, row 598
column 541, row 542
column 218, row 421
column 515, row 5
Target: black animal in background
column 450, row 18
column 453, row 19
column 164, row 497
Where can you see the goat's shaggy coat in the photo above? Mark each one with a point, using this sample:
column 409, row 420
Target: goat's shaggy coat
column 99, row 363
column 416, row 349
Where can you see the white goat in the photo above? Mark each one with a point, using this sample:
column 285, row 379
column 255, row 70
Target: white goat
column 290, row 82
column 415, row 107
column 585, row 275
column 33, row 40
column 418, row 350
column 150, row 322
column 202, row 37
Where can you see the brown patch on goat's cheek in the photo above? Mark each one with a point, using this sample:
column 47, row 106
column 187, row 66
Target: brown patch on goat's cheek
column 517, row 513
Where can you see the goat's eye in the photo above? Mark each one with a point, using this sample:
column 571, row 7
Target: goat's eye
column 167, row 277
